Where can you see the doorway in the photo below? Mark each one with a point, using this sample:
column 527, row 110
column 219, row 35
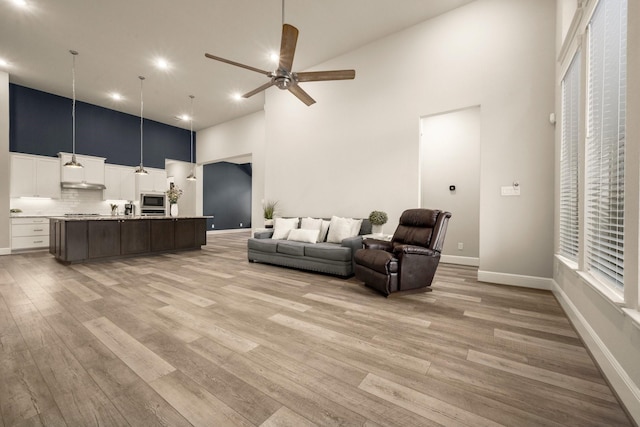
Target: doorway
column 450, row 178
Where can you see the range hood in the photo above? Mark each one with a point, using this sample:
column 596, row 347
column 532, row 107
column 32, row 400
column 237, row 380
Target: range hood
column 82, row 186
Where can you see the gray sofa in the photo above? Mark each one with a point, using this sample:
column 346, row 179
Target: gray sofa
column 322, row 257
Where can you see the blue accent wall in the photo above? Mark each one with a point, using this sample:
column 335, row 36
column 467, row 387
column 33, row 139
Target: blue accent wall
column 40, row 123
column 227, row 195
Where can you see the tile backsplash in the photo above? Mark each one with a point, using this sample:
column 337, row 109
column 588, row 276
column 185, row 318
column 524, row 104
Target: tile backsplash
column 71, row 201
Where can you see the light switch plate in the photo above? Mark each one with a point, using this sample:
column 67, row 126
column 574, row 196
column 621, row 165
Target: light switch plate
column 510, row 190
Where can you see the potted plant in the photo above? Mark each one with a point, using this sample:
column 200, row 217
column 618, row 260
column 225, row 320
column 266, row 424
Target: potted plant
column 378, row 219
column 173, row 194
column 269, row 209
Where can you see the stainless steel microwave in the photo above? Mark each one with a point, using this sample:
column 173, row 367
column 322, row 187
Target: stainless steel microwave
column 152, row 202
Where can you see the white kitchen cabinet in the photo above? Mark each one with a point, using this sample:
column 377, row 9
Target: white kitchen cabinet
column 92, row 171
column 154, row 182
column 29, row 233
column 120, row 182
column 34, row 176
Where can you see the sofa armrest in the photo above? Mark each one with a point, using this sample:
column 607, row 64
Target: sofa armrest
column 382, row 245
column 263, row 234
column 354, row 243
column 415, row 250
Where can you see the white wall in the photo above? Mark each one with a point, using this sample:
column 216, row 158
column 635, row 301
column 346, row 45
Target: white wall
column 242, row 137
column 357, row 149
column 450, row 155
column 5, row 166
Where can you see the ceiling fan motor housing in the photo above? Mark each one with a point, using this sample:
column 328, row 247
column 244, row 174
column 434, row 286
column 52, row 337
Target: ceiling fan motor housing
column 283, row 79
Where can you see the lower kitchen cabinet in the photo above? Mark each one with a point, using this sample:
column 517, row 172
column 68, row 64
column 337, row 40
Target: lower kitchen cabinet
column 79, row 240
column 103, row 238
column 134, row 237
column 29, row 233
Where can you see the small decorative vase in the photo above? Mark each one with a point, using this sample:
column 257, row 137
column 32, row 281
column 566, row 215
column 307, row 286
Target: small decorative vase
column 376, row 229
column 173, row 209
column 268, row 223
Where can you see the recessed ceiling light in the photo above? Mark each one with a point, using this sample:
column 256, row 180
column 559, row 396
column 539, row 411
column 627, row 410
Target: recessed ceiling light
column 3, row 63
column 236, row 96
column 116, row 96
column 20, row 3
column 274, row 57
column 162, row 63
column 185, row 117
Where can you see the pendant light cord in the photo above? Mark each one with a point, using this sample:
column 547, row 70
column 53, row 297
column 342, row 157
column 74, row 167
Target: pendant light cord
column 141, row 119
column 191, row 126
column 73, row 104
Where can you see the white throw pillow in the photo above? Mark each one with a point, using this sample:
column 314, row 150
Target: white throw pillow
column 282, row 226
column 303, row 235
column 342, row 228
column 311, row 223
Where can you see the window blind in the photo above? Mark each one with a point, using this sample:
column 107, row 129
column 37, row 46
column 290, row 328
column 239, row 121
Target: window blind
column 568, row 245
column 605, row 142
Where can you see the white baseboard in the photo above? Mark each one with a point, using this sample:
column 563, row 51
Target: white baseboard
column 515, row 280
column 460, row 260
column 233, row 230
column 626, row 389
column 5, row 251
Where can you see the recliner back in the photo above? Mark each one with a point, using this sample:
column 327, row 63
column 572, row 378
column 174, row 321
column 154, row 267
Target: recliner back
column 416, row 228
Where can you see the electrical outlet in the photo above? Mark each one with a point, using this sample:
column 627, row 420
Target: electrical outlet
column 460, row 246
column 213, row 226
column 240, row 224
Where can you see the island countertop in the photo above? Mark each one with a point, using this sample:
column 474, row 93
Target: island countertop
column 123, row 217
column 93, row 238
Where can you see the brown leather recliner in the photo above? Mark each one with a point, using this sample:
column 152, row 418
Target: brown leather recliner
column 408, row 262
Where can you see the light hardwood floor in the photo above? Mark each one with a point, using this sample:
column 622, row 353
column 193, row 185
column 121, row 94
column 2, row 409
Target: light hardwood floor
column 205, row 338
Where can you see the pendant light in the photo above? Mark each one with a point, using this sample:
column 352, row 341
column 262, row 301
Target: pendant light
column 140, row 170
column 192, row 175
column 73, row 163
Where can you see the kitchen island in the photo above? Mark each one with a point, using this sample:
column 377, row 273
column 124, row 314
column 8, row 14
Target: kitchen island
column 91, row 238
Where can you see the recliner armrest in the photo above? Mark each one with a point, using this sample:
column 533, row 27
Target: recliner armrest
column 263, row 234
column 415, row 250
column 377, row 244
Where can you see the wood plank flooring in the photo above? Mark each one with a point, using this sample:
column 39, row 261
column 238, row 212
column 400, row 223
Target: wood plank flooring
column 205, row 338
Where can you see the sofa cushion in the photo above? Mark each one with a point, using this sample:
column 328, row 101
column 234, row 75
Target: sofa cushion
column 290, row 248
column 263, row 245
column 328, row 251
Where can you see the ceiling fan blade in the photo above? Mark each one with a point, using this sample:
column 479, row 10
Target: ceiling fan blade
column 288, row 46
column 315, row 76
column 301, row 94
column 237, row 64
column 258, row 90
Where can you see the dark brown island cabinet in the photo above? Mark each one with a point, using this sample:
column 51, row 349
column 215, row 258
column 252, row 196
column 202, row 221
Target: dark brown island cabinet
column 87, row 239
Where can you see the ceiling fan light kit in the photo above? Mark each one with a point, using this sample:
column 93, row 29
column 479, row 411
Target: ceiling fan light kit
column 285, row 79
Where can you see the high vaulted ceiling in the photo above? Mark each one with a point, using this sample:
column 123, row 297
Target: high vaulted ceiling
column 118, row 40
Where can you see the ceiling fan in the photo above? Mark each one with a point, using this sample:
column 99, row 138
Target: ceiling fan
column 283, row 77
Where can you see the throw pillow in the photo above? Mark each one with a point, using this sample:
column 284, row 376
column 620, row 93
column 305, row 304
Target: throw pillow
column 342, row 228
column 324, row 229
column 311, row 223
column 282, row 226
column 303, row 235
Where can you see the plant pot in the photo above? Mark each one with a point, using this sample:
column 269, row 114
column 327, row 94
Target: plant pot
column 268, row 223
column 173, row 210
column 376, row 229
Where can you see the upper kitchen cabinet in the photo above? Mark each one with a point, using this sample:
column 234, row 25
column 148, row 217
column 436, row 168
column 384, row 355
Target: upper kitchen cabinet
column 120, row 182
column 34, row 176
column 154, row 182
column 91, row 175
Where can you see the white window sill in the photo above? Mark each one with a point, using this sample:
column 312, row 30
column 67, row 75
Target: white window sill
column 566, row 261
column 608, row 294
column 634, row 315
